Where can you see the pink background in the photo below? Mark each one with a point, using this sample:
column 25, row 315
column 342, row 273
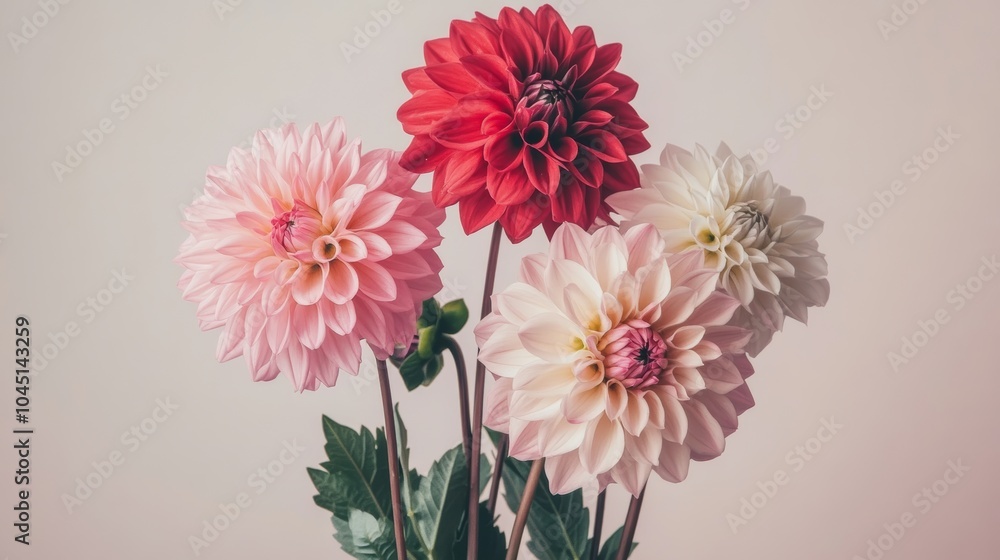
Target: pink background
column 231, row 74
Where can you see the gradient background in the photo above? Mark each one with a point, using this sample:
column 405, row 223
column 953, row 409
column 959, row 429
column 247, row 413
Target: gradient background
column 230, row 74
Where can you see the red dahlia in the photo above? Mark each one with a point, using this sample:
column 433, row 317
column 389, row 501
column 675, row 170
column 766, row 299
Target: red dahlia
column 522, row 121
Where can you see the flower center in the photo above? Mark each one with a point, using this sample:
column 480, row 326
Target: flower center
column 634, row 354
column 750, row 221
column 296, row 229
column 550, row 98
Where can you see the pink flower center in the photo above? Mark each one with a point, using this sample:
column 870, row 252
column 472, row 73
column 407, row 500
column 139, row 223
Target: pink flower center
column 634, row 354
column 296, row 229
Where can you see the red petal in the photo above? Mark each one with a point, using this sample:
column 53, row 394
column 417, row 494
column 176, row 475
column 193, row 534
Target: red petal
column 563, row 148
column 423, row 154
column 416, row 79
column 621, row 176
column 627, row 87
column 558, row 39
column 503, row 151
column 459, row 176
column 520, row 42
column 477, row 211
column 453, row 77
column 519, row 221
column 512, row 187
column 422, row 110
column 605, row 146
column 605, row 60
column 542, row 170
column 463, row 128
column 587, row 169
column 437, row 51
column 468, row 38
column 489, row 70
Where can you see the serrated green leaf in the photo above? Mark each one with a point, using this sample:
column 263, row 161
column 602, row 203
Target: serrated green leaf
column 357, row 481
column 610, row 549
column 454, row 315
column 557, row 524
column 440, row 501
column 492, row 541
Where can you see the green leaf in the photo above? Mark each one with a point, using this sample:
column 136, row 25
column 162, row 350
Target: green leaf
column 440, row 501
column 492, row 541
column 610, row 549
column 430, row 313
column 485, row 473
column 365, row 537
column 454, row 315
column 412, row 371
column 558, row 525
column 425, row 345
column 432, row 368
column 354, row 478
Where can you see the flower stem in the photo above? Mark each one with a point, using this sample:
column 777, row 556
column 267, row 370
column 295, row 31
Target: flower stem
column 390, row 440
column 477, row 401
column 631, row 520
column 463, row 395
column 522, row 511
column 595, row 544
column 502, row 446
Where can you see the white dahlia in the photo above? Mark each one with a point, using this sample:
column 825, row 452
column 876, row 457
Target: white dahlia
column 614, row 359
column 754, row 232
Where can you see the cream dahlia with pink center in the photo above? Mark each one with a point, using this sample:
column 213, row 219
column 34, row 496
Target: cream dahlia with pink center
column 303, row 247
column 614, row 359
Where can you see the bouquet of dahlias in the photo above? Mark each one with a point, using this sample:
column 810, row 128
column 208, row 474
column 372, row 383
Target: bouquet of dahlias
column 622, row 351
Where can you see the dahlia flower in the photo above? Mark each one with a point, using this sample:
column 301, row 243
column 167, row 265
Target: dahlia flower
column 522, row 121
column 613, row 359
column 304, row 246
column 754, row 232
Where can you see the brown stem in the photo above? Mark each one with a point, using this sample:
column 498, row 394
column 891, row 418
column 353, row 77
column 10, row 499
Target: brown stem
column 502, row 446
column 390, row 440
column 595, row 543
column 463, row 395
column 477, row 401
column 631, row 520
column 522, row 511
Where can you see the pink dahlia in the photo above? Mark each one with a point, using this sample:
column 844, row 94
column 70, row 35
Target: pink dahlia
column 613, row 359
column 302, row 247
column 522, row 121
